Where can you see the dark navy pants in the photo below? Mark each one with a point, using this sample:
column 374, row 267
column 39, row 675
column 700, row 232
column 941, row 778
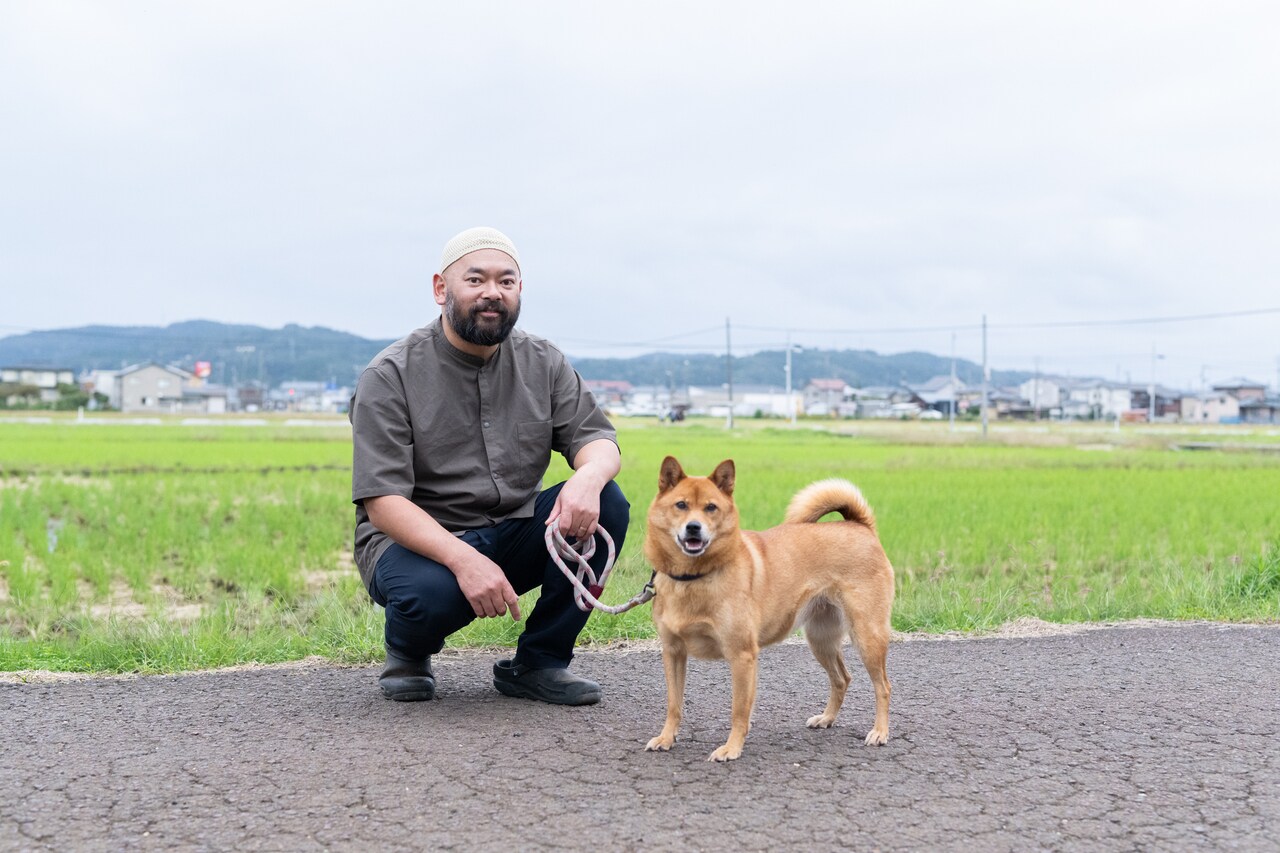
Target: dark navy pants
column 424, row 603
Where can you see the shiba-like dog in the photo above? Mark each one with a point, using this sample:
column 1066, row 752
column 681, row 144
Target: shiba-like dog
column 723, row 592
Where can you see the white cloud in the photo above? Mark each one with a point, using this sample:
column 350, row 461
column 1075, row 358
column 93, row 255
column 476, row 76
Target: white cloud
column 661, row 165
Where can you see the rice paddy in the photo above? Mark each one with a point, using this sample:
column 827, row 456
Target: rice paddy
column 172, row 546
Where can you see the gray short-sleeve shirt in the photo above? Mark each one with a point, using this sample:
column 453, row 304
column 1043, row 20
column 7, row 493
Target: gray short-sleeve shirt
column 467, row 440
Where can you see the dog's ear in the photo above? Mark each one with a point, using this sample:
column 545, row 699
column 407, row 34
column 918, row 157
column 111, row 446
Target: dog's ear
column 670, row 474
column 724, row 476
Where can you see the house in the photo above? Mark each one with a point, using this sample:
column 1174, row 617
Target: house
column 609, row 392
column 45, row 379
column 1168, row 401
column 1236, row 400
column 939, row 392
column 99, row 382
column 1097, row 399
column 884, row 401
column 1216, row 408
column 206, row 399
column 824, row 396
column 150, row 387
column 251, row 397
column 1264, row 410
column 308, row 396
column 748, row 401
column 1242, row 389
column 1043, row 394
column 1006, row 402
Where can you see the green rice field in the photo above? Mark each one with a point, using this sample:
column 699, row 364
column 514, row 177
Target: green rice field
column 168, row 546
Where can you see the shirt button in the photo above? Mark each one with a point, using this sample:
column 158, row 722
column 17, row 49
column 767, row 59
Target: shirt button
column 486, row 423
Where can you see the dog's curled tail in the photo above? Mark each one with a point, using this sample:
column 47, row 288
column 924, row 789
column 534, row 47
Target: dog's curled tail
column 814, row 501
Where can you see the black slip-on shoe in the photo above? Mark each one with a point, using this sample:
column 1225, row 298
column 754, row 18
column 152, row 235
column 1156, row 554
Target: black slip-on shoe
column 557, row 686
column 407, row 680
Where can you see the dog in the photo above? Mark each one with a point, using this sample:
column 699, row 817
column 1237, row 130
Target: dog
column 723, row 592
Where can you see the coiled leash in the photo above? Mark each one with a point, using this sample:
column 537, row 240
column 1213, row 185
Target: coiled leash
column 587, row 588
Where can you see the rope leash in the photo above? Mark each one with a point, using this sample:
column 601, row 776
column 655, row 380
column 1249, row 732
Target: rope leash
column 587, row 588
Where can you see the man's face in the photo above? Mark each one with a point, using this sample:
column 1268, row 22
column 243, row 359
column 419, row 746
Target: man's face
column 480, row 293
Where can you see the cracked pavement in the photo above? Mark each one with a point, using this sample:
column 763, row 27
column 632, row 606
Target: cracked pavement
column 1151, row 738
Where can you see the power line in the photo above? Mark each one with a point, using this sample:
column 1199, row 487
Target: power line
column 1141, row 320
column 1063, row 324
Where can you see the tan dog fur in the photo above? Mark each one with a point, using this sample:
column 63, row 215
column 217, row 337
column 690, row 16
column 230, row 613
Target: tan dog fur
column 753, row 588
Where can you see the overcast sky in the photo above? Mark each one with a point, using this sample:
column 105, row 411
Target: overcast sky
column 854, row 175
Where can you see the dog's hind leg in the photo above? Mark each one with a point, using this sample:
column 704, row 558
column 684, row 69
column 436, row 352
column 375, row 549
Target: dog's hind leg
column 869, row 630
column 824, row 629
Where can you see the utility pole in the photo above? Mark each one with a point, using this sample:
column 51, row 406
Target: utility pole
column 984, row 376
column 951, row 418
column 728, row 364
column 1151, row 393
column 790, row 405
column 1035, row 391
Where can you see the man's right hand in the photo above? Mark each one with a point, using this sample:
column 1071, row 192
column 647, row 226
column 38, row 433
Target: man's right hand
column 485, row 586
column 480, row 579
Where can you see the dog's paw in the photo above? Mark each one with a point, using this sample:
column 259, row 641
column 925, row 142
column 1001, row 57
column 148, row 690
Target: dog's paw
column 660, row 744
column 725, row 753
column 877, row 737
column 821, row 721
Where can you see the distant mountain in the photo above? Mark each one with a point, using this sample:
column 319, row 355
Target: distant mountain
column 241, row 354
column 237, row 354
column 860, row 368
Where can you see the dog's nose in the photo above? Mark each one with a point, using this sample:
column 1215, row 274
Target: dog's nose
column 693, row 528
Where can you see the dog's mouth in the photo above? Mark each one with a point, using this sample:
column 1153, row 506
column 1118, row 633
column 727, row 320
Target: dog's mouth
column 692, row 546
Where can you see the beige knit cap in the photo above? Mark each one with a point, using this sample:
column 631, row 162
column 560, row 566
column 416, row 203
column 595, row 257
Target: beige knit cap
column 477, row 238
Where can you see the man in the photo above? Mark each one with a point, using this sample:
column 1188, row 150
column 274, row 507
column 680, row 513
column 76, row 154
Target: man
column 453, row 429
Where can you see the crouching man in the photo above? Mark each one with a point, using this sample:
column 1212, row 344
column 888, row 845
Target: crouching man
column 453, row 428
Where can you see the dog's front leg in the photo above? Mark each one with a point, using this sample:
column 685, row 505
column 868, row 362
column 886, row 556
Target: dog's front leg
column 674, row 663
column 743, row 667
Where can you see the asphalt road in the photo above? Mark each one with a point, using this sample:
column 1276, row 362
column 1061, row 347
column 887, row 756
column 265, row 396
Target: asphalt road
column 1158, row 738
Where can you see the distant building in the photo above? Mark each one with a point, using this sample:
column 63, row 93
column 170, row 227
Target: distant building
column 249, row 398
column 1242, row 389
column 882, row 401
column 1043, row 394
column 46, row 379
column 1216, row 408
column 939, row 392
column 99, row 382
column 1097, row 399
column 1232, row 401
column 150, row 387
column 205, row 399
column 1260, row 411
column 823, row 397
column 309, row 397
column 609, row 393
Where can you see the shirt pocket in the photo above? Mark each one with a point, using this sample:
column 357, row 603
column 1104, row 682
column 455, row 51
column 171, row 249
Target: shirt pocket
column 533, row 452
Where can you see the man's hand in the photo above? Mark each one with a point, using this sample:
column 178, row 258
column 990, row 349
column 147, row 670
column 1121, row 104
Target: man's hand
column 485, row 586
column 577, row 507
column 479, row 578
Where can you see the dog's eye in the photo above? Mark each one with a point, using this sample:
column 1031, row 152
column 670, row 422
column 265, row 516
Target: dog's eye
column 711, row 507
column 681, row 505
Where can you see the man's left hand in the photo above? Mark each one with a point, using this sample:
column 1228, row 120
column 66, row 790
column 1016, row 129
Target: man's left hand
column 577, row 508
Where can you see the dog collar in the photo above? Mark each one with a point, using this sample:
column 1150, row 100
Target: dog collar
column 686, row 577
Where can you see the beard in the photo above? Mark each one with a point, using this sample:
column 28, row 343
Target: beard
column 473, row 328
